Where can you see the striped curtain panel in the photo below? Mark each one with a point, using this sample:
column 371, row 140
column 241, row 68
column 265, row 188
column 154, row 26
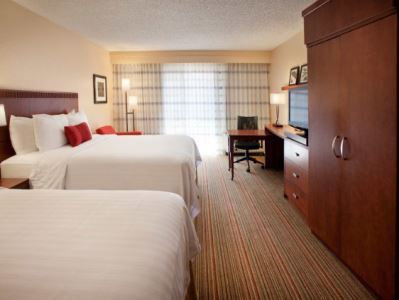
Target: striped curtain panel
column 201, row 100
column 247, row 93
column 145, row 83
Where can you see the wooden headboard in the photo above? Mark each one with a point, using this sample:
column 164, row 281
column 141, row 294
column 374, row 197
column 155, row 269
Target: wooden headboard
column 28, row 103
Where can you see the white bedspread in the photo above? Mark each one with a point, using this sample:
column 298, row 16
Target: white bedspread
column 94, row 245
column 157, row 162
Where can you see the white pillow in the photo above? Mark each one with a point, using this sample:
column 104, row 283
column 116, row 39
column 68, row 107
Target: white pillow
column 75, row 118
column 49, row 131
column 22, row 135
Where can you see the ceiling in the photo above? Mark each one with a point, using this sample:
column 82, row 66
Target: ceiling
column 161, row 25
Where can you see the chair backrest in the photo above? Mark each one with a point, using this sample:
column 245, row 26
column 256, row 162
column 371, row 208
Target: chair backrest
column 247, row 122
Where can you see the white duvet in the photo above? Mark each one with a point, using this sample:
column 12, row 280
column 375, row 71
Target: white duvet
column 94, row 245
column 149, row 162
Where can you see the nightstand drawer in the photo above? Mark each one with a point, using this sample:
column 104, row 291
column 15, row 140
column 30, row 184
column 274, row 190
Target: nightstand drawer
column 296, row 175
column 297, row 153
column 297, row 197
column 15, row 183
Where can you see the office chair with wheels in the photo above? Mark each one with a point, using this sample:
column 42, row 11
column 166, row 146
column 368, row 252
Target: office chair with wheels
column 247, row 123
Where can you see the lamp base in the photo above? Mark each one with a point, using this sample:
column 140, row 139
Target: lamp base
column 277, row 125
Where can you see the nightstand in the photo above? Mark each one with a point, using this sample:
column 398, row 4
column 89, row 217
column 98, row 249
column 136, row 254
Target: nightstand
column 15, row 183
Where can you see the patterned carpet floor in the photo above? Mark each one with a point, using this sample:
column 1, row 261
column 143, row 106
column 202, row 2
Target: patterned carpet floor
column 256, row 246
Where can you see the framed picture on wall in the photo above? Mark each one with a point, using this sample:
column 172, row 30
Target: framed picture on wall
column 99, row 89
column 294, row 72
column 303, row 77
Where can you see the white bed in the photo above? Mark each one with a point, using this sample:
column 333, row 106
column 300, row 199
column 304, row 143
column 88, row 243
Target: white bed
column 148, row 162
column 94, row 245
column 20, row 166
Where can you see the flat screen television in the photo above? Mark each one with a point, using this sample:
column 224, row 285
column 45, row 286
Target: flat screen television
column 298, row 108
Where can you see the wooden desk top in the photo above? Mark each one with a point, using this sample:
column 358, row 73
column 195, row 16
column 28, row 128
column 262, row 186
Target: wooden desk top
column 248, row 133
column 280, row 131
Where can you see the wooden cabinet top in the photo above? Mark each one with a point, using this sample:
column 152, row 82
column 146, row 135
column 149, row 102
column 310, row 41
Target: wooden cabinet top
column 326, row 19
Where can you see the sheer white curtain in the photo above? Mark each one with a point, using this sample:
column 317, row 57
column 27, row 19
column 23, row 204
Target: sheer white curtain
column 193, row 99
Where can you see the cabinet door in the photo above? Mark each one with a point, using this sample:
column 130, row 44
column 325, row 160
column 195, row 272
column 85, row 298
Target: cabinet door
column 368, row 195
column 324, row 125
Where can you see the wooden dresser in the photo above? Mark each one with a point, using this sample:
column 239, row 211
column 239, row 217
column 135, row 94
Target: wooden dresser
column 352, row 198
column 296, row 175
column 295, row 158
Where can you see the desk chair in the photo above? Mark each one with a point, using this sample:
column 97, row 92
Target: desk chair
column 247, row 123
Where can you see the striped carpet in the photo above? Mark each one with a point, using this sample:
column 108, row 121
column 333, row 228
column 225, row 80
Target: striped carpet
column 256, row 246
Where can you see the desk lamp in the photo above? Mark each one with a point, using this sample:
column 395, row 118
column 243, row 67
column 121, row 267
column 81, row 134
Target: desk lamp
column 277, row 99
column 3, row 120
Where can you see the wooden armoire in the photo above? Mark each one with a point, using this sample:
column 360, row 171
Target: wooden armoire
column 352, row 63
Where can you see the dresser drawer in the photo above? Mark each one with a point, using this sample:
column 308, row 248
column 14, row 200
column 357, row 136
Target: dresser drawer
column 297, row 153
column 296, row 175
column 297, row 197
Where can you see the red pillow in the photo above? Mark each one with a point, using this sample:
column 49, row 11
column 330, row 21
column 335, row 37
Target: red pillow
column 84, row 131
column 108, row 129
column 77, row 134
column 73, row 135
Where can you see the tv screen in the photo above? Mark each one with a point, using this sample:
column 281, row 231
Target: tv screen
column 298, row 108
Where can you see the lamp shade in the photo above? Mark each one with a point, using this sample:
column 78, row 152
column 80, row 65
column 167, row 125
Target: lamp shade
column 3, row 120
column 277, row 98
column 125, row 84
column 132, row 102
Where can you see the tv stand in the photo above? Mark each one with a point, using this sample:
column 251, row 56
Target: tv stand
column 281, row 151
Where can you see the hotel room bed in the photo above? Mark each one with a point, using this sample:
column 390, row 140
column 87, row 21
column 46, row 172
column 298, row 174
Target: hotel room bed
column 150, row 162
column 58, row 244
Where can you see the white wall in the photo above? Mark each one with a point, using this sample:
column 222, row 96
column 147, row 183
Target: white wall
column 289, row 54
column 36, row 54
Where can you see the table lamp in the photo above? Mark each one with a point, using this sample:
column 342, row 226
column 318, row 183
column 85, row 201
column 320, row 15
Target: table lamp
column 132, row 103
column 126, row 88
column 3, row 120
column 277, row 99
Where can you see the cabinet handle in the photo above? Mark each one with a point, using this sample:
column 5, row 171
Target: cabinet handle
column 334, row 146
column 295, row 175
column 345, row 148
column 295, row 196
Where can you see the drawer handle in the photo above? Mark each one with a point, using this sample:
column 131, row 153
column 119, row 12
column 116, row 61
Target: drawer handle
column 295, row 175
column 297, row 154
column 295, row 196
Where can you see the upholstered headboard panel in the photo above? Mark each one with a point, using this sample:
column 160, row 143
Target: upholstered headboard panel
column 28, row 103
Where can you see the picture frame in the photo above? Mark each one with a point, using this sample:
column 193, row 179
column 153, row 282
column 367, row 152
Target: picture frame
column 303, row 75
column 294, row 75
column 100, row 89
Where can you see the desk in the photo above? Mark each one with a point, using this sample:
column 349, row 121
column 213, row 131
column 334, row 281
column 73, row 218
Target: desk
column 274, row 145
column 242, row 135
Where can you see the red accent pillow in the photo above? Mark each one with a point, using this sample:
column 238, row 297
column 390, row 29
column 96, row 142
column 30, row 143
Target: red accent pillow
column 73, row 135
column 108, row 129
column 84, row 131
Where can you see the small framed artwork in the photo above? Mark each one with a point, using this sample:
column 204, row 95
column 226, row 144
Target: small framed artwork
column 294, row 72
column 99, row 89
column 303, row 77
